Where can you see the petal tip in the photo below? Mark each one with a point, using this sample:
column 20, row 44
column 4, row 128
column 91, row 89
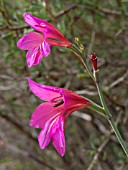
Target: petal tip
column 29, row 66
column 62, row 154
column 27, row 17
column 30, row 124
column 29, row 83
column 25, row 14
column 28, row 79
column 19, row 43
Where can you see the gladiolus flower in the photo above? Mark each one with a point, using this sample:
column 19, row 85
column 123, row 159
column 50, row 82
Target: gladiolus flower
column 38, row 45
column 50, row 116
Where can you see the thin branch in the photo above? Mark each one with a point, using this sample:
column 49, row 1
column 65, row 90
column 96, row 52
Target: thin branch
column 103, row 145
column 99, row 151
column 12, row 148
column 91, row 43
column 14, row 28
column 118, row 81
column 103, row 10
column 66, row 10
column 49, row 11
column 17, row 125
column 5, row 88
column 5, row 16
column 83, row 116
column 61, row 13
column 114, row 102
column 87, row 92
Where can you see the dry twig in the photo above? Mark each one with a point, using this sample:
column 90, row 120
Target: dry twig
column 103, row 145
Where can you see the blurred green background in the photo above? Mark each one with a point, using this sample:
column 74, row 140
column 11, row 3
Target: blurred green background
column 102, row 27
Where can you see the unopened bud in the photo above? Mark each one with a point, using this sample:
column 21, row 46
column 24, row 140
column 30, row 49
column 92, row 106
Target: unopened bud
column 81, row 47
column 76, row 39
column 94, row 61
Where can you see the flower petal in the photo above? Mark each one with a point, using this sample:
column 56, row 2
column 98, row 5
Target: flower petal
column 35, row 22
column 73, row 101
column 57, row 42
column 30, row 40
column 43, row 92
column 43, row 113
column 47, row 29
column 33, row 57
column 45, row 48
column 53, row 36
column 58, row 138
column 38, row 24
column 45, row 136
column 38, row 58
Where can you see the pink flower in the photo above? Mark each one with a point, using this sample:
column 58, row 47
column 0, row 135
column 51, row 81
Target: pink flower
column 50, row 116
column 38, row 45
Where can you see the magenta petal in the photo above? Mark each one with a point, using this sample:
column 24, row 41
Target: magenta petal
column 73, row 101
column 30, row 56
column 47, row 29
column 33, row 57
column 43, row 113
column 54, row 36
column 45, row 136
column 34, row 22
column 38, row 58
column 45, row 48
column 37, row 23
column 58, row 138
column 56, row 42
column 30, row 40
column 43, row 92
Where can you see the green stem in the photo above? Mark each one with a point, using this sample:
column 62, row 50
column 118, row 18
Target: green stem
column 80, row 57
column 102, row 111
column 97, row 108
column 110, row 119
column 119, row 137
column 102, row 98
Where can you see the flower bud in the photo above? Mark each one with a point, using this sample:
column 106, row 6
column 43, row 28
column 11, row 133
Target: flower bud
column 81, row 47
column 94, row 61
column 76, row 39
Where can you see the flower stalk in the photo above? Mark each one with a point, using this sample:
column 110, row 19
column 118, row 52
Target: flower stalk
column 110, row 118
column 103, row 111
column 97, row 108
column 80, row 56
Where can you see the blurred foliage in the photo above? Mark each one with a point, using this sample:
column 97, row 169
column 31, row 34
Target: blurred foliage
column 102, row 27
